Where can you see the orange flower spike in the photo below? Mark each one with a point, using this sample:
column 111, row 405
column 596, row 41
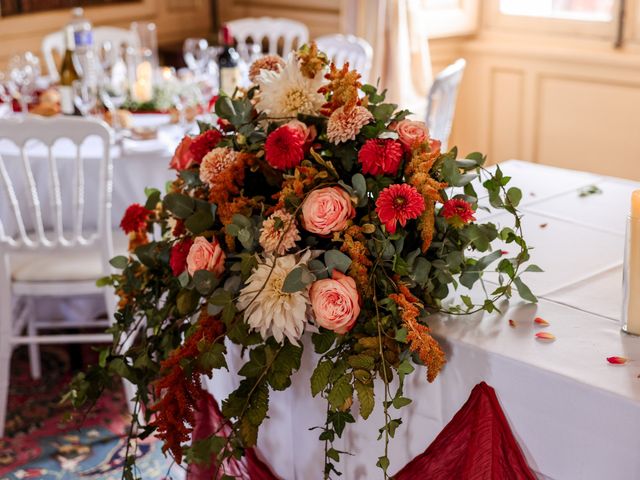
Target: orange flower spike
column 617, row 360
column 545, row 336
column 512, row 323
column 541, row 321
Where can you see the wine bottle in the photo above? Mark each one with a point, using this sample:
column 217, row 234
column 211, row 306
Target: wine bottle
column 68, row 74
column 228, row 64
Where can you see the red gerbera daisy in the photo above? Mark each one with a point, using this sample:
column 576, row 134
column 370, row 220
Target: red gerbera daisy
column 204, row 143
column 380, row 156
column 135, row 218
column 399, row 203
column 178, row 257
column 458, row 212
column 284, row 147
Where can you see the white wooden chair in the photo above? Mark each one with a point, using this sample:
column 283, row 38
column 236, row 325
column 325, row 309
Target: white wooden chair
column 441, row 101
column 54, row 42
column 293, row 34
column 46, row 256
column 348, row 48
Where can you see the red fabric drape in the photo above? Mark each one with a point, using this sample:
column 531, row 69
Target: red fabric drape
column 208, row 420
column 477, row 444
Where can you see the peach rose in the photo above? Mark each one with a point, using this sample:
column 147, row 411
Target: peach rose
column 335, row 302
column 327, row 210
column 411, row 133
column 182, row 158
column 205, row 255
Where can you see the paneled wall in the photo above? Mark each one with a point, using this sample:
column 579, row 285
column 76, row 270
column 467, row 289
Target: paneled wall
column 570, row 107
column 176, row 19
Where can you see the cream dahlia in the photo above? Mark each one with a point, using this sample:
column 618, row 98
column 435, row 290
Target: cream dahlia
column 287, row 92
column 345, row 124
column 267, row 308
column 215, row 162
column 279, row 233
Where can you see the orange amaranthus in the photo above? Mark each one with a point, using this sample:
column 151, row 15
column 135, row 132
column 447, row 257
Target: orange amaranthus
column 355, row 248
column 179, row 389
column 311, row 60
column 418, row 335
column 294, row 186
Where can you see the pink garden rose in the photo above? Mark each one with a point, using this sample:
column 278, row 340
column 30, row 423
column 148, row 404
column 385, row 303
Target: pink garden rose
column 308, row 132
column 327, row 210
column 335, row 302
column 411, row 133
column 183, row 158
column 205, row 255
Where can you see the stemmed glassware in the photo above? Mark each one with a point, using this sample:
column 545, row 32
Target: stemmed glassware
column 196, row 55
column 6, row 95
column 85, row 96
column 24, row 70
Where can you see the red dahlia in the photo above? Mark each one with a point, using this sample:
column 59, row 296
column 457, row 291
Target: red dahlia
column 380, row 156
column 135, row 218
column 178, row 257
column 458, row 212
column 399, row 203
column 284, row 147
column 204, row 143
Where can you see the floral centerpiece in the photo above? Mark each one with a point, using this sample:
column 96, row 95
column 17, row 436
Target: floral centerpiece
column 313, row 208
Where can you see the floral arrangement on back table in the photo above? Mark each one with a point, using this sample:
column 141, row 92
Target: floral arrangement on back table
column 315, row 207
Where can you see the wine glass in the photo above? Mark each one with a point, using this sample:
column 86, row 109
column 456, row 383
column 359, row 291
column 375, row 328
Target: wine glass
column 6, row 95
column 113, row 95
column 24, row 70
column 85, row 96
column 196, row 54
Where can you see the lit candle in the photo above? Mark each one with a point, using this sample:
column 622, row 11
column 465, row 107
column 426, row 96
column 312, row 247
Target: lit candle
column 633, row 267
column 143, row 88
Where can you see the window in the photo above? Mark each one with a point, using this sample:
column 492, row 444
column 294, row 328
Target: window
column 585, row 10
column 444, row 18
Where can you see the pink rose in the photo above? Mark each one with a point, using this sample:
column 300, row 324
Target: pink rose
column 182, row 158
column 411, row 133
column 205, row 255
column 335, row 302
column 308, row 133
column 327, row 210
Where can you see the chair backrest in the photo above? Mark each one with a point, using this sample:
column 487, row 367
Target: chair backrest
column 54, row 42
column 293, row 34
column 441, row 101
column 29, row 190
column 348, row 48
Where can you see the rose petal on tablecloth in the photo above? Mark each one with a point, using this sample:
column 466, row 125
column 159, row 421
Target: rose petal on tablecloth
column 617, row 360
column 541, row 321
column 545, row 336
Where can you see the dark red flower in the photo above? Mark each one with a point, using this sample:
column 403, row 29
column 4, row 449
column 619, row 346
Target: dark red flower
column 380, row 156
column 458, row 212
column 284, row 147
column 178, row 257
column 204, row 143
column 135, row 218
column 399, row 203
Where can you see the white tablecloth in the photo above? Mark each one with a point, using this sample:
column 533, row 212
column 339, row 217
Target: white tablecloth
column 575, row 415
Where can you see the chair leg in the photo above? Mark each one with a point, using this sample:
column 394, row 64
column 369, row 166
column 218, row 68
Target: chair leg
column 6, row 334
column 34, row 349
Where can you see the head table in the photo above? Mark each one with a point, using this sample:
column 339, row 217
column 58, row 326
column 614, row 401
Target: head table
column 575, row 415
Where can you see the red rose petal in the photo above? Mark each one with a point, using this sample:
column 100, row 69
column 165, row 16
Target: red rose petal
column 512, row 323
column 541, row 321
column 617, row 360
column 545, row 336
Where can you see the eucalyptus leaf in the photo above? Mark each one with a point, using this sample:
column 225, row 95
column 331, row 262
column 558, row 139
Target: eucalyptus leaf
column 336, row 260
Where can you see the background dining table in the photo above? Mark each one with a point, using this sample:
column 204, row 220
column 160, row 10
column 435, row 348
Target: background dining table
column 575, row 415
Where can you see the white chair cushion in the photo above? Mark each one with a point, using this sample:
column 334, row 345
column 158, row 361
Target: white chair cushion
column 84, row 265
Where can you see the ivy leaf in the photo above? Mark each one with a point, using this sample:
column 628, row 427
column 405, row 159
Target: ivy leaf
column 365, row 398
column 383, row 463
column 524, row 291
column 400, row 402
column 320, row 377
column 361, row 361
column 323, row 341
column 340, row 391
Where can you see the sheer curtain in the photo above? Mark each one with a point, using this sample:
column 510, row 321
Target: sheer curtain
column 401, row 57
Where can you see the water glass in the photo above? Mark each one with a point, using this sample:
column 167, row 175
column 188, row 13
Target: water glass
column 24, row 71
column 85, row 96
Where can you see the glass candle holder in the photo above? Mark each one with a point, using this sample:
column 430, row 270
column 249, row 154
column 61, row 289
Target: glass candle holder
column 631, row 278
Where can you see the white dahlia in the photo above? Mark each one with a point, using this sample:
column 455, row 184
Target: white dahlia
column 267, row 308
column 287, row 92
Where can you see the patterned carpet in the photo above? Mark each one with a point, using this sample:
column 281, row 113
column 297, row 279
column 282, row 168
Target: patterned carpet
column 43, row 442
